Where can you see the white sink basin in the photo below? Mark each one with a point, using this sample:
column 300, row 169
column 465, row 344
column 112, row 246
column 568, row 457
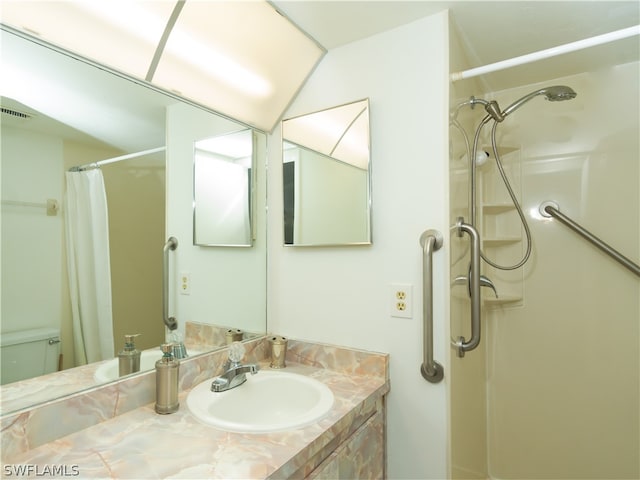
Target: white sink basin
column 109, row 371
column 269, row 401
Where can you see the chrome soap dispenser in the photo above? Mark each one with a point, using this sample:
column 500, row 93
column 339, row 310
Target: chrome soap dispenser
column 129, row 357
column 167, row 370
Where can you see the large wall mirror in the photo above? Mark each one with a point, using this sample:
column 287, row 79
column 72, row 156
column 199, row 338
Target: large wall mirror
column 60, row 112
column 327, row 177
column 223, row 182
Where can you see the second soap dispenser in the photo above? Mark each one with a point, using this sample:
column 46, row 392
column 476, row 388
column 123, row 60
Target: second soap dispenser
column 129, row 357
column 167, row 374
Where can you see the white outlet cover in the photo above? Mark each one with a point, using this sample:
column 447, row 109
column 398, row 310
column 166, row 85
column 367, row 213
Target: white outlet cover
column 401, row 300
column 185, row 283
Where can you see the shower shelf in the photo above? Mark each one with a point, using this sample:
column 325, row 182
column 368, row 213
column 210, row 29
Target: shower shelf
column 502, row 150
column 502, row 232
column 500, row 241
column 497, row 208
column 502, row 300
column 488, row 299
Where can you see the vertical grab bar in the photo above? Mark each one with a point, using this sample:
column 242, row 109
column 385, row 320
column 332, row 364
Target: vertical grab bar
column 170, row 322
column 432, row 371
column 461, row 344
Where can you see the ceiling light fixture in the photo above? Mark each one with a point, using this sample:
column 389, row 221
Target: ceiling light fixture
column 239, row 58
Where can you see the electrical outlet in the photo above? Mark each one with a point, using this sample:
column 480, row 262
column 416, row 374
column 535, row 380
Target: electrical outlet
column 185, row 283
column 401, row 300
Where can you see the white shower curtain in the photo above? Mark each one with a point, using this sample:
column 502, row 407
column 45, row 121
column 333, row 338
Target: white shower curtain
column 87, row 228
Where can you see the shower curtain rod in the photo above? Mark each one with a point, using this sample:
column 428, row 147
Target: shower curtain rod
column 117, row 159
column 548, row 53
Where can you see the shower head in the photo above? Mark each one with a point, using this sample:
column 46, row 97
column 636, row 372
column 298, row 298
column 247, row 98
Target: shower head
column 556, row 93
column 559, row 93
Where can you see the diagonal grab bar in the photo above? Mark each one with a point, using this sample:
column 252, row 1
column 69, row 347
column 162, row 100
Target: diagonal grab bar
column 461, row 344
column 170, row 322
column 430, row 241
column 551, row 209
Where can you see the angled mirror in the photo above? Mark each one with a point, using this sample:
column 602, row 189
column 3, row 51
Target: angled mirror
column 327, row 177
column 223, row 180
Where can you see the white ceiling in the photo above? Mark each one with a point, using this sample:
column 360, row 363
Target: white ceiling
column 78, row 101
column 491, row 31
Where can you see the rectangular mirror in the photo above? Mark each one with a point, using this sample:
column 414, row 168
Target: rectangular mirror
column 223, row 180
column 327, row 177
column 59, row 112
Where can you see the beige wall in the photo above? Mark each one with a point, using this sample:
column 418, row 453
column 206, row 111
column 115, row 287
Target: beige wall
column 136, row 198
column 564, row 367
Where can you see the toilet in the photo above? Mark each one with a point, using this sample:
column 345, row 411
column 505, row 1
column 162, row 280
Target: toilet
column 28, row 353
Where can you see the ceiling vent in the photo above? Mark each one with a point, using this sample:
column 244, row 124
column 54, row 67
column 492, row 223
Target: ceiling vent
column 15, row 114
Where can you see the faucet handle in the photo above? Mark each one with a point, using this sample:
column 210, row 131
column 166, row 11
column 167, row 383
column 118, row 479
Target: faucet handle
column 485, row 282
column 236, row 352
column 466, row 280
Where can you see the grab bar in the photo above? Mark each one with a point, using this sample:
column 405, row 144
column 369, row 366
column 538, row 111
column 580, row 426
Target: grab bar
column 170, row 322
column 461, row 344
column 551, row 209
column 51, row 205
column 432, row 371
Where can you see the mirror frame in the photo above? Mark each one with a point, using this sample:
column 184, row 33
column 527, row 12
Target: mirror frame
column 369, row 190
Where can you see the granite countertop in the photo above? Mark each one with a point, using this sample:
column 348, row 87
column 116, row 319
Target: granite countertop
column 142, row 444
column 25, row 393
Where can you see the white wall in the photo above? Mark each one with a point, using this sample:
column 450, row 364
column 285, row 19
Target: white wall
column 341, row 295
column 227, row 283
column 32, row 171
column 325, row 210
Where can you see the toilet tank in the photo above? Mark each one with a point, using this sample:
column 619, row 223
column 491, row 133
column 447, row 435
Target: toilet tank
column 28, row 353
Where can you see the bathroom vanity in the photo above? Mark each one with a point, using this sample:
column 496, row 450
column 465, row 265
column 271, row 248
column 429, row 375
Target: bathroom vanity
column 348, row 442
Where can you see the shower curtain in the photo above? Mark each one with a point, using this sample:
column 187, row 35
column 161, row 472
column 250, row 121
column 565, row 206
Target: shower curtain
column 87, row 229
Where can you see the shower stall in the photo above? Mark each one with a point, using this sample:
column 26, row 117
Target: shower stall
column 552, row 388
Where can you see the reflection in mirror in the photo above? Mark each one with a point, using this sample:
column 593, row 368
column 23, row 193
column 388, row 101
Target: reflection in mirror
column 223, row 171
column 327, row 178
column 59, row 112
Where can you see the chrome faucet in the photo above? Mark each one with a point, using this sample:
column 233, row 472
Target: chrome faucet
column 233, row 377
column 235, row 374
column 179, row 350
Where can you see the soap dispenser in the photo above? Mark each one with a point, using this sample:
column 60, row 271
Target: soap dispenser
column 129, row 357
column 167, row 369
